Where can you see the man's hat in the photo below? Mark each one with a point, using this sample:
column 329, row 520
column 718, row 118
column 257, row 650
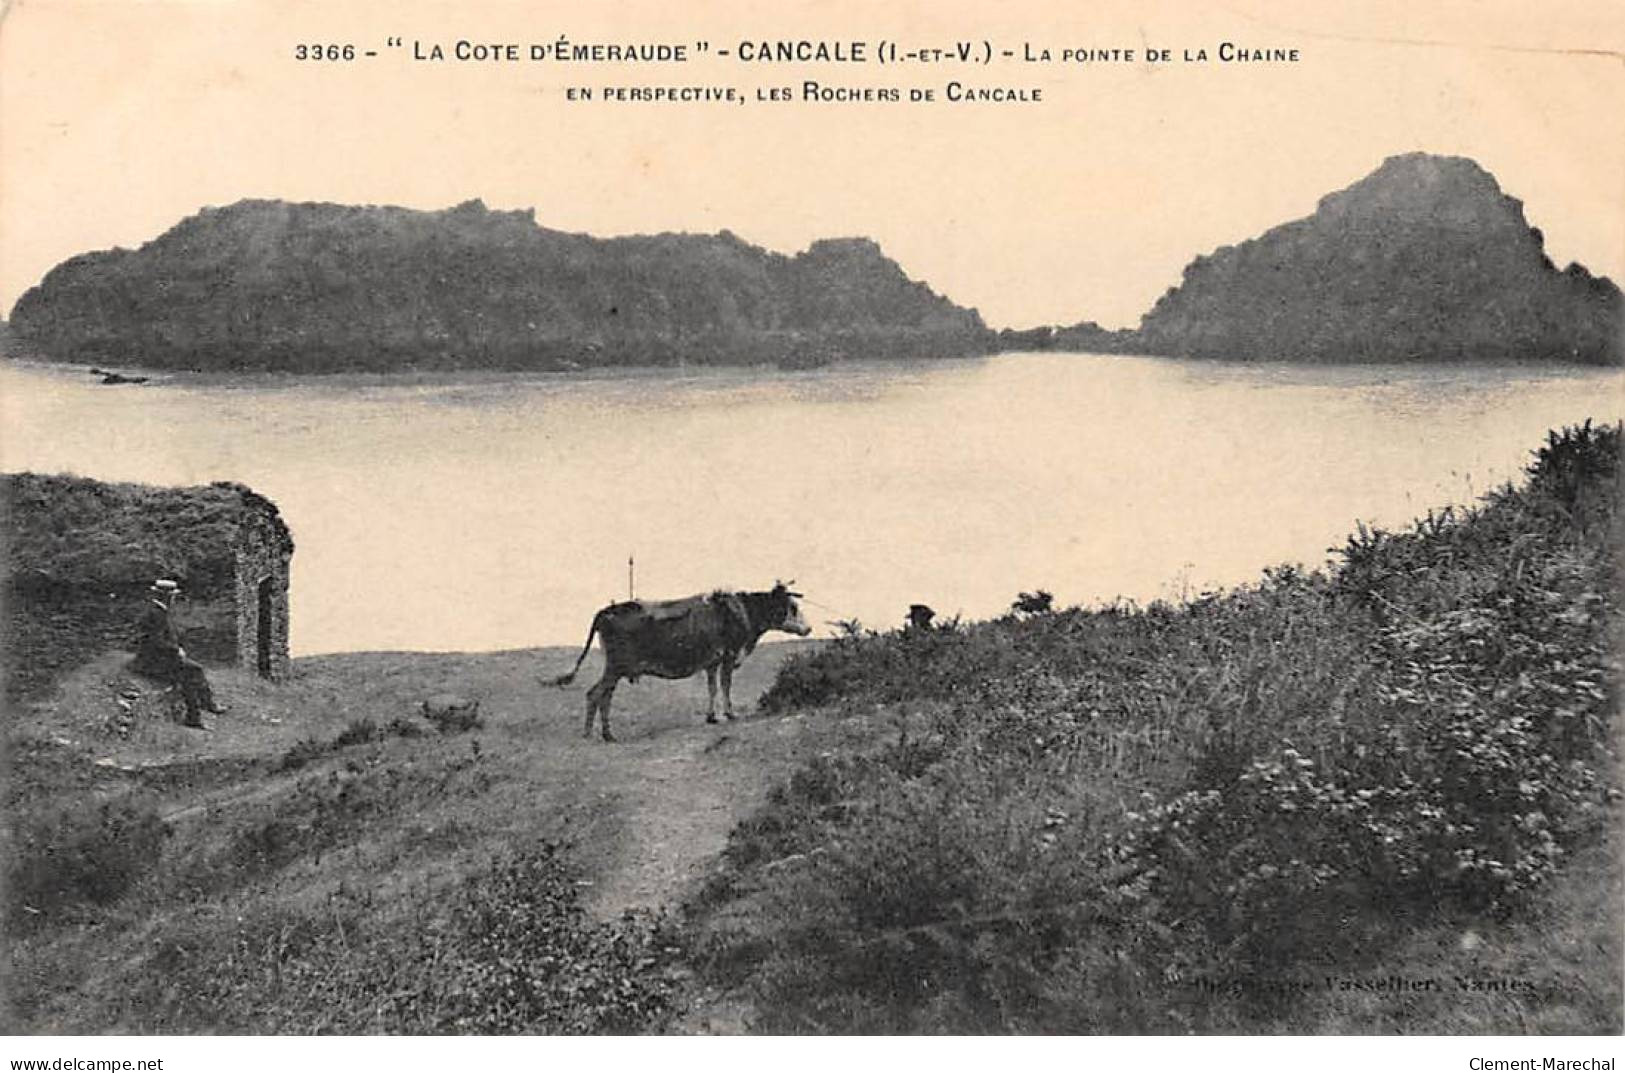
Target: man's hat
column 165, row 584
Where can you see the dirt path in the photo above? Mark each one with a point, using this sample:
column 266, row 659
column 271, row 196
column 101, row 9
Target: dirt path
column 665, row 795
column 680, row 795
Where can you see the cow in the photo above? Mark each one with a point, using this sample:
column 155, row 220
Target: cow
column 710, row 632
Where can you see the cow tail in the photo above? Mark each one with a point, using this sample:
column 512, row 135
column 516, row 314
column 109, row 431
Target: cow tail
column 566, row 679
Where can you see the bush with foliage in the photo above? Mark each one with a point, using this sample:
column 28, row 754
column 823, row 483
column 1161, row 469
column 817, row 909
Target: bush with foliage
column 1482, row 749
column 508, row 951
column 65, row 857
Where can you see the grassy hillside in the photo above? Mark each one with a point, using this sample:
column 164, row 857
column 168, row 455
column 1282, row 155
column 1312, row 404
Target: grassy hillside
column 325, row 860
column 1231, row 815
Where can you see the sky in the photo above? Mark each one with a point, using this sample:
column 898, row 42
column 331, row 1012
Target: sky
column 119, row 118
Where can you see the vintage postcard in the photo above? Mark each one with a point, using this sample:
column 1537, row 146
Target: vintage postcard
column 812, row 519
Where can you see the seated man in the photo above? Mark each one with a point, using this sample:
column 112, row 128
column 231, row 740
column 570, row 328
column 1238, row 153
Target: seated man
column 159, row 655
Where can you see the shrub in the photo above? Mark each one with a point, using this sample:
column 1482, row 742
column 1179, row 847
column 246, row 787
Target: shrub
column 301, row 753
column 508, row 950
column 522, row 958
column 359, row 732
column 1033, row 603
column 66, row 858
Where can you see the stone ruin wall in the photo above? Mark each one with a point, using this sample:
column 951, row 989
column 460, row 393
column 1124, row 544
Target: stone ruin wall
column 263, row 551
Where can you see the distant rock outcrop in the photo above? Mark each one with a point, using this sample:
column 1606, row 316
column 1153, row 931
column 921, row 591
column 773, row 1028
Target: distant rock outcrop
column 321, row 287
column 1423, row 260
column 1092, row 338
column 1086, row 337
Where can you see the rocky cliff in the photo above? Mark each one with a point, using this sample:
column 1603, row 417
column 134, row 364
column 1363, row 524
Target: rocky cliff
column 320, row 287
column 1426, row 259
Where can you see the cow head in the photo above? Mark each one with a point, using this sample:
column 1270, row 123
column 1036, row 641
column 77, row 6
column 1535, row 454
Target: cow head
column 786, row 612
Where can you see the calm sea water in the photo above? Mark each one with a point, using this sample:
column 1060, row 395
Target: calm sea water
column 497, row 512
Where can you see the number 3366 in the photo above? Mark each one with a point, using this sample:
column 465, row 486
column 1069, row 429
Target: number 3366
column 324, row 52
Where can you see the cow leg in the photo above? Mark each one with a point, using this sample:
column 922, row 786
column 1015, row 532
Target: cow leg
column 598, row 698
column 711, row 694
column 603, row 712
column 727, row 688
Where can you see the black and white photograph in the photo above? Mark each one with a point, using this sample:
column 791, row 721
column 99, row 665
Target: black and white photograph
column 816, row 519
